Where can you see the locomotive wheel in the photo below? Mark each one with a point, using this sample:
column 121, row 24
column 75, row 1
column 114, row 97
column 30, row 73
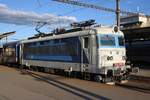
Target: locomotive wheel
column 98, row 78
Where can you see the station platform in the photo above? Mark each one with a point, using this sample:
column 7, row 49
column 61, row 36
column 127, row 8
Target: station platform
column 143, row 72
column 142, row 75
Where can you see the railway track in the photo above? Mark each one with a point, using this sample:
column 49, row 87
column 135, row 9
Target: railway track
column 136, row 85
column 132, row 85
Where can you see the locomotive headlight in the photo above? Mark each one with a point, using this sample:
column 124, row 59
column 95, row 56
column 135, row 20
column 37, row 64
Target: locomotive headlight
column 109, row 57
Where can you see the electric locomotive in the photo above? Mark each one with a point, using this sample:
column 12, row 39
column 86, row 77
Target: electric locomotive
column 93, row 52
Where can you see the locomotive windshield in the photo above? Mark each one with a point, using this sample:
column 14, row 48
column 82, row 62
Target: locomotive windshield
column 107, row 40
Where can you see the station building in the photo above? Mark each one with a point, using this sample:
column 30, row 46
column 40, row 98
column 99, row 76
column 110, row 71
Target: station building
column 136, row 29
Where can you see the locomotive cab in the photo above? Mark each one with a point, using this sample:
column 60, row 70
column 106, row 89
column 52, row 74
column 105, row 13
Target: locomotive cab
column 111, row 55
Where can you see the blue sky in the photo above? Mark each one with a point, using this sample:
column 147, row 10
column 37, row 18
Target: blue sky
column 40, row 7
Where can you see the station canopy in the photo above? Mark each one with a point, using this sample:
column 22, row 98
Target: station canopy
column 142, row 33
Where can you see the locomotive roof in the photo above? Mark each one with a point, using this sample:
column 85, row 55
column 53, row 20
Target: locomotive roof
column 106, row 30
column 73, row 34
column 95, row 30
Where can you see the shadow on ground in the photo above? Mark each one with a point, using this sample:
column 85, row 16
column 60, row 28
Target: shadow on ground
column 66, row 87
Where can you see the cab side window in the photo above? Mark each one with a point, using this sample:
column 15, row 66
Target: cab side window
column 86, row 42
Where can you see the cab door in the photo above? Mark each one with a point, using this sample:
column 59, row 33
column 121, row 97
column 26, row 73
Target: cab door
column 85, row 53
